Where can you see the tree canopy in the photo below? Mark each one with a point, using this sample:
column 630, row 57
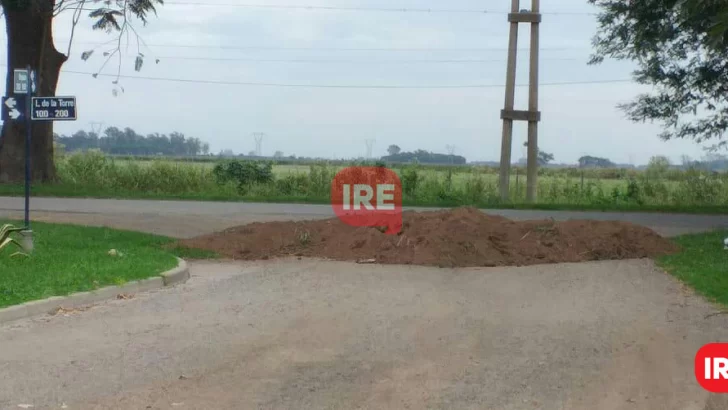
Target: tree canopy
column 425, row 157
column 588, row 161
column 128, row 142
column 718, row 33
column 394, row 149
column 544, row 157
column 679, row 47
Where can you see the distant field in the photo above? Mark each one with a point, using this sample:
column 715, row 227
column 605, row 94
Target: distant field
column 489, row 175
column 459, row 178
column 95, row 175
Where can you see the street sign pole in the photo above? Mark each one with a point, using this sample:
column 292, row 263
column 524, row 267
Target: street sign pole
column 36, row 109
column 28, row 135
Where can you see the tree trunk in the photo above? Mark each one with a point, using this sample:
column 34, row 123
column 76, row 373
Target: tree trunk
column 30, row 42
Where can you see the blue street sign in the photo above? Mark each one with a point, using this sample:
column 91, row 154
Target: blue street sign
column 53, row 109
column 14, row 108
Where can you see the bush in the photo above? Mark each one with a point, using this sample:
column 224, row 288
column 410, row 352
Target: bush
column 410, row 179
column 698, row 188
column 320, row 177
column 84, row 168
column 295, row 185
column 243, row 173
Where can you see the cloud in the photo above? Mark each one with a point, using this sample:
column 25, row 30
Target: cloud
column 577, row 119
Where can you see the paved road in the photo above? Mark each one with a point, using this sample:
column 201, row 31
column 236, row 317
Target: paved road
column 310, row 335
column 189, row 218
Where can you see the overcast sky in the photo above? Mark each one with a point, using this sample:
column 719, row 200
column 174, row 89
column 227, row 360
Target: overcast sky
column 577, row 119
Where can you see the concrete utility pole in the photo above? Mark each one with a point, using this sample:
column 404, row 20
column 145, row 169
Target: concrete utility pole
column 509, row 114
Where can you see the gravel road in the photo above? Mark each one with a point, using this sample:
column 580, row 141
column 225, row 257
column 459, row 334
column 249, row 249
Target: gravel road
column 314, row 334
column 328, row 335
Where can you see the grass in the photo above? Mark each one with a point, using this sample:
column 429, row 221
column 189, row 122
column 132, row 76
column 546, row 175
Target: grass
column 66, row 191
column 68, row 259
column 93, row 175
column 702, row 264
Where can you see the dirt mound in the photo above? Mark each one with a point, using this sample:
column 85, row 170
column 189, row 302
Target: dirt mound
column 451, row 238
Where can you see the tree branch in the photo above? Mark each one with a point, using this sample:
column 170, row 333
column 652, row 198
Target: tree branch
column 108, row 18
column 76, row 18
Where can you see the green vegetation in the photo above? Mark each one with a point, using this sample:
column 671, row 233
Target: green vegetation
column 8, row 240
column 702, row 264
column 68, row 259
column 116, row 141
column 92, row 174
column 671, row 60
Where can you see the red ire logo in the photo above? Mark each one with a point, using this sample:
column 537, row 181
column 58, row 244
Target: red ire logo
column 711, row 367
column 368, row 196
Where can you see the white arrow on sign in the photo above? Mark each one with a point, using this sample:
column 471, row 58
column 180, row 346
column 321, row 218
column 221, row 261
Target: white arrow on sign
column 12, row 113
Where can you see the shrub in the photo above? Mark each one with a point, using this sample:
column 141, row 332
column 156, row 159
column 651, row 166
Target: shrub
column 88, row 167
column 410, row 179
column 320, row 177
column 243, row 173
column 297, row 185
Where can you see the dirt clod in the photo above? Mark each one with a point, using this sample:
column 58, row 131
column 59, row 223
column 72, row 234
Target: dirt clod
column 460, row 237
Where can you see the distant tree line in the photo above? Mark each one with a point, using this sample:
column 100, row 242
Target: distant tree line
column 710, row 162
column 127, row 142
column 588, row 161
column 421, row 156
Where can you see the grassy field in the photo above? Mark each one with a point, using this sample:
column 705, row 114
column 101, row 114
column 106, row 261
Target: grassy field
column 69, row 259
column 702, row 264
column 94, row 175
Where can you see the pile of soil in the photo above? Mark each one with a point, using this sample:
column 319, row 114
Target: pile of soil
column 461, row 237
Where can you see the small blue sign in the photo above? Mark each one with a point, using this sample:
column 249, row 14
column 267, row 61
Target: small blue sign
column 53, row 109
column 14, row 108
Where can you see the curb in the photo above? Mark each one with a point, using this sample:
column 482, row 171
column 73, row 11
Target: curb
column 180, row 274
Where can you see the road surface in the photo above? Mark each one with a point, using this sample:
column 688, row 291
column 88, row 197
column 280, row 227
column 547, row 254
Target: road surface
column 304, row 335
column 190, row 218
column 311, row 334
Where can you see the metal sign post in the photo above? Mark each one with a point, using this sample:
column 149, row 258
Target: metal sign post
column 28, row 136
column 36, row 109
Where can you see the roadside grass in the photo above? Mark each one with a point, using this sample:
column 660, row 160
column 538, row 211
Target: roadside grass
column 702, row 264
column 69, row 191
column 69, row 259
column 94, row 175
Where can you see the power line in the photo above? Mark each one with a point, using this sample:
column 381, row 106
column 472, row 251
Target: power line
column 359, row 9
column 261, row 48
column 333, row 86
column 263, row 60
column 288, row 85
